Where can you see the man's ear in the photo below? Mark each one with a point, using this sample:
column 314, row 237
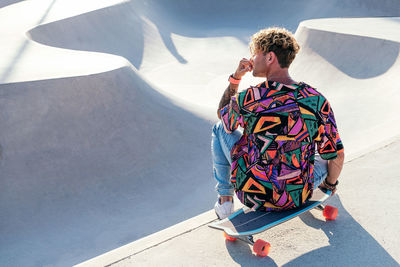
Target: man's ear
column 269, row 58
column 272, row 56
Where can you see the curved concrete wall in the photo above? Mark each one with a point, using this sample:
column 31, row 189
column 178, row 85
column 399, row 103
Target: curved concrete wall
column 97, row 151
column 96, row 159
column 355, row 71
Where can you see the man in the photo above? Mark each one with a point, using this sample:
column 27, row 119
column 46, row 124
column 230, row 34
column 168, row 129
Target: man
column 272, row 165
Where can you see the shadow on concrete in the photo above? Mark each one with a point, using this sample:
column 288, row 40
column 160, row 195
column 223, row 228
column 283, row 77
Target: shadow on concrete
column 395, row 20
column 5, row 3
column 115, row 30
column 350, row 243
column 343, row 51
column 92, row 163
column 20, row 51
column 119, row 29
column 242, row 253
column 104, row 164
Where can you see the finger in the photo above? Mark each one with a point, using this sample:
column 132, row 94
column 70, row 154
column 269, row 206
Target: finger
column 245, row 60
column 244, row 67
column 245, row 63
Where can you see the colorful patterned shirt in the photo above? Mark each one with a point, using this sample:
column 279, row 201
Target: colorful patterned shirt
column 272, row 162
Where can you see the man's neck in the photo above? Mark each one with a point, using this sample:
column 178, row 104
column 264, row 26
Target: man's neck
column 281, row 76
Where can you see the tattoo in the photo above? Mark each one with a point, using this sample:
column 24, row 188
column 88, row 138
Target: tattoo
column 230, row 91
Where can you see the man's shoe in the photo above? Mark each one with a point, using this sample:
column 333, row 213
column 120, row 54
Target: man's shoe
column 223, row 210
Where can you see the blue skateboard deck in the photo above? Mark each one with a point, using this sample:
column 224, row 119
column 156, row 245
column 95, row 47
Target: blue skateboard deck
column 246, row 222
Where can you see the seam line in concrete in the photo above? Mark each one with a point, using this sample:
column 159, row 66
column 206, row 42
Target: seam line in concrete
column 164, row 241
column 383, row 145
column 350, row 158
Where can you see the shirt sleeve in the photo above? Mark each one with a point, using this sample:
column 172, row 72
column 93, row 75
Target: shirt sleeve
column 230, row 115
column 328, row 142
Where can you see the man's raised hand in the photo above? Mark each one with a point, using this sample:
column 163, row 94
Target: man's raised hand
column 245, row 65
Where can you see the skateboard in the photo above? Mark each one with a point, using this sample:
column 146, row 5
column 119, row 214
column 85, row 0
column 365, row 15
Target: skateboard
column 245, row 223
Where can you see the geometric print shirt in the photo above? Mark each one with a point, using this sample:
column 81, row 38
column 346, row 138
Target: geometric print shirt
column 273, row 161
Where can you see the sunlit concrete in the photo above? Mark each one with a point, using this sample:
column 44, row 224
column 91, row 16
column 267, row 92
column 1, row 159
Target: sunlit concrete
column 106, row 110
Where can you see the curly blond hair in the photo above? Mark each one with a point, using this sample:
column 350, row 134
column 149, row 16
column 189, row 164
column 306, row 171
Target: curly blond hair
column 277, row 40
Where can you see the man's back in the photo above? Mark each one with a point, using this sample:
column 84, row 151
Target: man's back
column 271, row 166
column 272, row 163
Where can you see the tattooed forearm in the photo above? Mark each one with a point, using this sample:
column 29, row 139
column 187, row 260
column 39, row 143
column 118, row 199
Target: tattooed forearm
column 226, row 97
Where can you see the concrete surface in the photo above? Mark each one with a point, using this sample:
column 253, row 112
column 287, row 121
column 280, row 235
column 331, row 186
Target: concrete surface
column 106, row 108
column 365, row 232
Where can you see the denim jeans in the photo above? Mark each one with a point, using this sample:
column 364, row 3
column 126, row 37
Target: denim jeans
column 221, row 146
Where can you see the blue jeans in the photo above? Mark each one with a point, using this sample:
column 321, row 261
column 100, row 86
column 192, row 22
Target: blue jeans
column 221, row 146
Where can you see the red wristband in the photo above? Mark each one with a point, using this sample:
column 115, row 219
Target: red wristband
column 233, row 80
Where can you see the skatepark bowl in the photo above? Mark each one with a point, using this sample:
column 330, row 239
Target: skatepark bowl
column 106, row 108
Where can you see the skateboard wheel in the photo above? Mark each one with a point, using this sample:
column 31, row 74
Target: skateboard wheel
column 261, row 248
column 330, row 212
column 229, row 238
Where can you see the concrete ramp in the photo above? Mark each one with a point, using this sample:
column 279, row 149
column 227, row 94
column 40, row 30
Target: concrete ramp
column 355, row 63
column 88, row 160
column 332, row 54
column 106, row 109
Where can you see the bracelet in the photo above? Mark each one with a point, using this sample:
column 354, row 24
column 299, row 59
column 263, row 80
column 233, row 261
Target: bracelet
column 233, row 80
column 335, row 184
column 329, row 186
